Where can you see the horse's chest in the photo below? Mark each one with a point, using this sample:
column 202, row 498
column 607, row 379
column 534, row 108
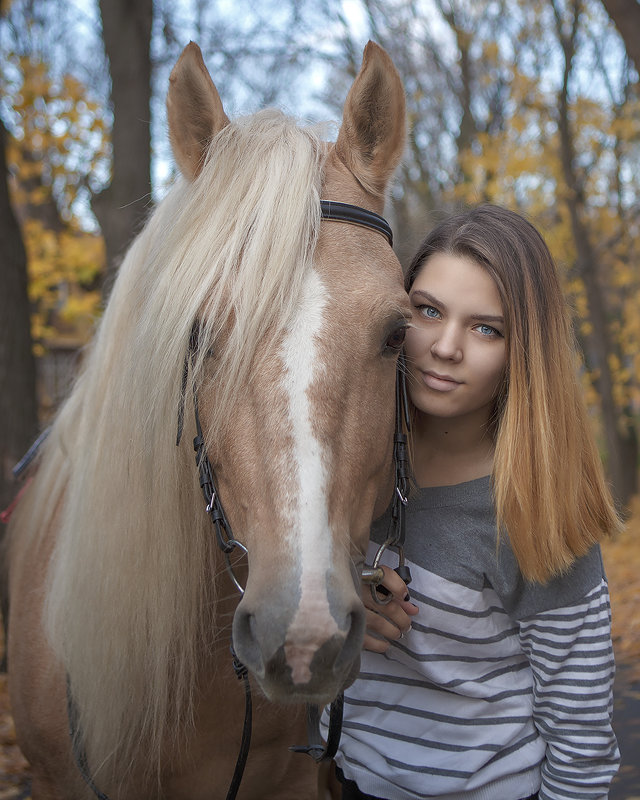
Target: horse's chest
column 272, row 772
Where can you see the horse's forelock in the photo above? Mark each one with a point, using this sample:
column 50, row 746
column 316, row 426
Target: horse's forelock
column 237, row 259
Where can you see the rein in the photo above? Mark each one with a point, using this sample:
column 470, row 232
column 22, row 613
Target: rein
column 337, row 212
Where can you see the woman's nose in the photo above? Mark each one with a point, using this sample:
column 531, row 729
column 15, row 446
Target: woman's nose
column 447, row 345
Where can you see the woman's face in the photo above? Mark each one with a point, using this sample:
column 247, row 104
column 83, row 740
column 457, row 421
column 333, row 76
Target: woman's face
column 455, row 346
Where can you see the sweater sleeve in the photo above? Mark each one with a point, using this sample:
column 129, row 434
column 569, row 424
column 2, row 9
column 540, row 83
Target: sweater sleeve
column 571, row 657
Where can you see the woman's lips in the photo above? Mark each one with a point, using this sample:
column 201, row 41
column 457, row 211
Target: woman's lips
column 440, row 383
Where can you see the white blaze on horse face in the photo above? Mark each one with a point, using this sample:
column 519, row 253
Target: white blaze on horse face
column 313, row 623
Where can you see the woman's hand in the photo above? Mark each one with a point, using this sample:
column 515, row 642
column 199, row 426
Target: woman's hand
column 387, row 623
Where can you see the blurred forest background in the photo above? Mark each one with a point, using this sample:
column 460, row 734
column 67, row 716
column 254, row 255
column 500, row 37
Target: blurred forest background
column 534, row 104
column 529, row 103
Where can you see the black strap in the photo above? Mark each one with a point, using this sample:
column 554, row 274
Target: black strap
column 205, row 470
column 315, row 747
column 242, row 673
column 345, row 212
column 400, row 455
column 191, row 350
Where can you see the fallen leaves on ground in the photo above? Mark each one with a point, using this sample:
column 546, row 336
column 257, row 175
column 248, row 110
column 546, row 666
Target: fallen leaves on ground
column 14, row 769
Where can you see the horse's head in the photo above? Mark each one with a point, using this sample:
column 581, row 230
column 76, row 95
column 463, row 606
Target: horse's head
column 304, row 456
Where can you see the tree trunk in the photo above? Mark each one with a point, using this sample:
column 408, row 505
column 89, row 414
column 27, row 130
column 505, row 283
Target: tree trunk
column 468, row 125
column 626, row 17
column 18, row 408
column 18, row 405
column 121, row 208
column 621, row 444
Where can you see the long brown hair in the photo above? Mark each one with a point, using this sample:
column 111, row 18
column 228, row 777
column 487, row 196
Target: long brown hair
column 549, row 489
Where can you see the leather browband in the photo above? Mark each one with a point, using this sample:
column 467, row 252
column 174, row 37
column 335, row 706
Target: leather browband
column 345, row 212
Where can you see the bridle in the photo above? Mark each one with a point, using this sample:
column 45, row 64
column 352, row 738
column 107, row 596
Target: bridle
column 354, row 215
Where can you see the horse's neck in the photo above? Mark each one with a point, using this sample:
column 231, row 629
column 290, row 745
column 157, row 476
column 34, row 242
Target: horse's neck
column 207, row 759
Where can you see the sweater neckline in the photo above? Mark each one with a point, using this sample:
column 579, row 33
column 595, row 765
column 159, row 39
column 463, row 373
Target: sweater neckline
column 452, row 495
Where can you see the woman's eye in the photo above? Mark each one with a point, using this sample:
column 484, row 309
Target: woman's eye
column 487, row 330
column 429, row 311
column 396, row 339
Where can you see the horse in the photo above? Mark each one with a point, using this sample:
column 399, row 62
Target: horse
column 272, row 334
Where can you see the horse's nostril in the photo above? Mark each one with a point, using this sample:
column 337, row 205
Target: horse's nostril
column 245, row 643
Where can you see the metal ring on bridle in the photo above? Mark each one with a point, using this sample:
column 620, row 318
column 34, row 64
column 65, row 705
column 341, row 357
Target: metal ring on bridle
column 375, row 573
column 381, row 600
column 232, row 544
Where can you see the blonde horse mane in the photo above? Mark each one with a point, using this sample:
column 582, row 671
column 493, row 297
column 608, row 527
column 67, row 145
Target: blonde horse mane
column 129, row 606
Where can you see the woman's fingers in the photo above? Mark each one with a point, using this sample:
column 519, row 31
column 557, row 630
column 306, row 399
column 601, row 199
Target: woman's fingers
column 389, row 622
column 393, row 584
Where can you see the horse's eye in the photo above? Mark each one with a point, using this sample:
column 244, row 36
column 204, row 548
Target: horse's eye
column 395, row 340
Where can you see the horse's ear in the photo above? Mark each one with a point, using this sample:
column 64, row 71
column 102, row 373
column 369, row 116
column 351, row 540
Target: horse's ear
column 372, row 137
column 194, row 110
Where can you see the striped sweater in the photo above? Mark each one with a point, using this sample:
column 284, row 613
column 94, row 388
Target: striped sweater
column 501, row 688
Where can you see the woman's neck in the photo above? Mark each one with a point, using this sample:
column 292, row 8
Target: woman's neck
column 450, row 451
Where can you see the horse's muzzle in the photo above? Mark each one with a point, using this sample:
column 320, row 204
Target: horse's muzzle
column 300, row 656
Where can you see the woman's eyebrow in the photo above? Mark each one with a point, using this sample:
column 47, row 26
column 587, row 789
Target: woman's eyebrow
column 426, row 296
column 487, row 318
column 496, row 318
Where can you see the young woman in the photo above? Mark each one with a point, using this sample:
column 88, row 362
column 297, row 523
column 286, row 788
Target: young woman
column 494, row 680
